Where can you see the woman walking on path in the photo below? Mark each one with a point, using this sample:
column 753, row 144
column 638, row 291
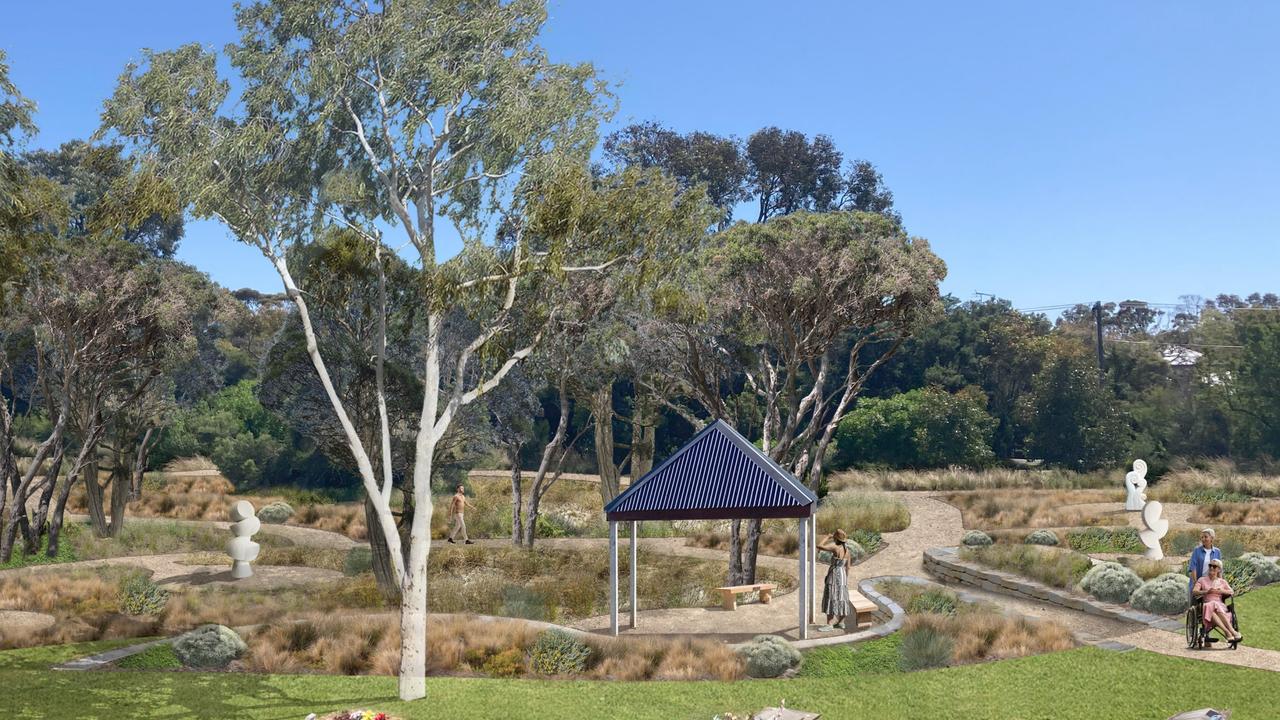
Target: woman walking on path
column 835, row 591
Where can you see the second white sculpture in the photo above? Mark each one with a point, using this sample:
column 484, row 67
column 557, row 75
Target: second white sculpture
column 241, row 548
column 1134, row 484
column 1157, row 527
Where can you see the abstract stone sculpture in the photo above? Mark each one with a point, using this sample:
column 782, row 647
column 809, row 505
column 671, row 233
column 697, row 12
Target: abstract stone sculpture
column 242, row 549
column 1134, row 484
column 1157, row 527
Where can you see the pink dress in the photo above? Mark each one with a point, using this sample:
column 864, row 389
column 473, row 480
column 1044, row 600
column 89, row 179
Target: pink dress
column 1213, row 593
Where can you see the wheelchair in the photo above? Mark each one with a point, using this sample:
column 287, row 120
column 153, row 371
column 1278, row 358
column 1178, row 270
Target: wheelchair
column 1198, row 636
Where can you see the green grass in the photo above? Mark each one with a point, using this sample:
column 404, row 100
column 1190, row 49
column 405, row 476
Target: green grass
column 1260, row 617
column 156, row 657
column 66, row 550
column 874, row 657
column 42, row 658
column 1062, row 686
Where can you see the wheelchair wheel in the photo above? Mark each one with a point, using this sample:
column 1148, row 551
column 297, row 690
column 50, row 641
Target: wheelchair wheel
column 1194, row 639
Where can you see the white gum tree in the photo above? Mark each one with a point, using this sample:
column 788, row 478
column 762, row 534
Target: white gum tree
column 389, row 119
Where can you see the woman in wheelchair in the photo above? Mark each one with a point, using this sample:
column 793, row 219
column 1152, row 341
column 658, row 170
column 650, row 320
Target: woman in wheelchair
column 1210, row 590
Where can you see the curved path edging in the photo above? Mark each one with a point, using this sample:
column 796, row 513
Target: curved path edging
column 945, row 564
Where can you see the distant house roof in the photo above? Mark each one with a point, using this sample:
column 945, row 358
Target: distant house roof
column 718, row 475
column 1180, row 356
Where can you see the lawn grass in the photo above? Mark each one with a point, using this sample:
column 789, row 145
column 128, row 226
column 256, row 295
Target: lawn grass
column 156, row 657
column 1062, row 686
column 874, row 657
column 1260, row 617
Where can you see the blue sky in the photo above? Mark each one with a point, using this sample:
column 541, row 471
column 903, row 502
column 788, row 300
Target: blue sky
column 1051, row 152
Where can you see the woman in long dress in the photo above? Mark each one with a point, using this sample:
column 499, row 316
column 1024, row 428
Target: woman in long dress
column 1211, row 589
column 835, row 591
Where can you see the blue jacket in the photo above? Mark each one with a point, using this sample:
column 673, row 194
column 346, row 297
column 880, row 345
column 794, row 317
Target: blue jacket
column 1197, row 560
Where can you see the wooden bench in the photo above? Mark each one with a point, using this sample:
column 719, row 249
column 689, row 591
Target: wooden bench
column 729, row 595
column 863, row 609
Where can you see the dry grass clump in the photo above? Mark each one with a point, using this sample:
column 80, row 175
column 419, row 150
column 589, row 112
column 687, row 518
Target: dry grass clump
column 1150, row 569
column 560, row 585
column 289, row 555
column 1056, row 567
column 776, row 542
column 1002, row 509
column 983, row 635
column 196, row 463
column 459, row 645
column 228, row 606
column 634, row 659
column 84, row 603
column 1260, row 512
column 955, row 478
column 210, row 497
column 862, row 511
column 1217, row 479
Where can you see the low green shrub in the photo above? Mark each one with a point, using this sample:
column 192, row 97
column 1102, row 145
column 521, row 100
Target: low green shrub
column 976, row 538
column 1165, row 595
column 1111, row 582
column 557, row 652
column 925, row 647
column 933, row 600
column 1107, row 540
column 209, row 647
column 156, row 657
column 140, row 596
column 359, row 561
column 1042, row 537
column 1265, row 571
column 275, row 513
column 873, row 657
column 769, row 656
column 1205, row 495
column 1239, row 574
column 869, row 539
column 506, row 664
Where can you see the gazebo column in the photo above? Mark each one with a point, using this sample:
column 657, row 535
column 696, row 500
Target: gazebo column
column 613, row 578
column 804, row 581
column 634, row 572
column 813, row 563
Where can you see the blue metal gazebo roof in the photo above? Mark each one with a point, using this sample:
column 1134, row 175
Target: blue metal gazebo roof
column 718, row 475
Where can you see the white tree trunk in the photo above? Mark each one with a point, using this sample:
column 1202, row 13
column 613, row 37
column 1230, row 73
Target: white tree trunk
column 413, row 601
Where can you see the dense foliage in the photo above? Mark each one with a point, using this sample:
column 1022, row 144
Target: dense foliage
column 921, row 428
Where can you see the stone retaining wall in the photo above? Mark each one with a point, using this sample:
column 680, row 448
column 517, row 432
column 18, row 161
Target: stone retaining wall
column 946, row 565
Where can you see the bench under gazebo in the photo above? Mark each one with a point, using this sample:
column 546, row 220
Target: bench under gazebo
column 718, row 475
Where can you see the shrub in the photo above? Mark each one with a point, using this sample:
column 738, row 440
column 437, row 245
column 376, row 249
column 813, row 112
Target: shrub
column 209, row 647
column 1051, row 566
column 1111, row 582
column 359, row 560
column 508, row 663
column 1265, row 571
column 1042, row 537
column 1239, row 574
column 1106, row 540
column 1165, row 595
column 924, row 646
column 140, row 596
column 556, row 652
column 521, row 602
column 869, row 540
column 768, row 656
column 976, row 538
column 933, row 600
column 156, row 657
column 275, row 513
column 921, row 428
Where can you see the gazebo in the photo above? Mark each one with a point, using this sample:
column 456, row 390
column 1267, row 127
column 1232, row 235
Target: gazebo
column 718, row 475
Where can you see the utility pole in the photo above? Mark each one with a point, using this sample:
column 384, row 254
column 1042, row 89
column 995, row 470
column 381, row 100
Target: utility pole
column 1097, row 321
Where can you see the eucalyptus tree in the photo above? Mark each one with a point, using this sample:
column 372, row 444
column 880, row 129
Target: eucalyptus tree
column 778, row 322
column 400, row 115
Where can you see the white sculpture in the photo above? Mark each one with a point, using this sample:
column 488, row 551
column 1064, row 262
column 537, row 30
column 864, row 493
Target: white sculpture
column 1134, row 484
column 242, row 549
column 1157, row 527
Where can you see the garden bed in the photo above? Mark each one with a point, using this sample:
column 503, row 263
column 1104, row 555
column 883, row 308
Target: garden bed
column 1005, row 509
